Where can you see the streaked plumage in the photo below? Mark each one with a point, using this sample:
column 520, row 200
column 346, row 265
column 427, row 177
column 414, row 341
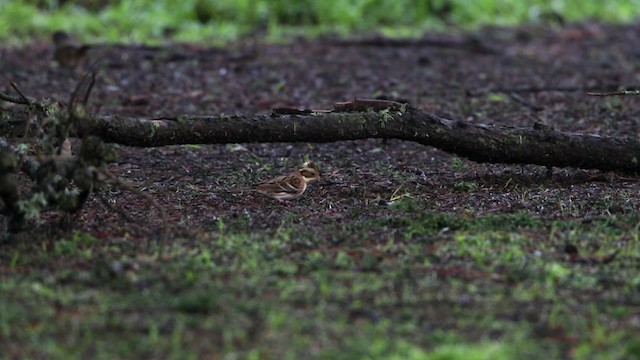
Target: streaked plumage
column 290, row 186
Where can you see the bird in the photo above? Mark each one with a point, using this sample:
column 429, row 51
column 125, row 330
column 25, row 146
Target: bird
column 68, row 53
column 292, row 186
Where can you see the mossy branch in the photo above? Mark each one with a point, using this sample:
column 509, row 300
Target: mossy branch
column 61, row 181
column 363, row 119
column 540, row 145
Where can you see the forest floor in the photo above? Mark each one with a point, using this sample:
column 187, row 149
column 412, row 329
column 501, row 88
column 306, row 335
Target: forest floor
column 399, row 249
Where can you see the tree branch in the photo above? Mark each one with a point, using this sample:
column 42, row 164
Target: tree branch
column 539, row 145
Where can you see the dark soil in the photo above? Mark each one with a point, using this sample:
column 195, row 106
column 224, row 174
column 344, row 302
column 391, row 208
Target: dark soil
column 533, row 75
column 517, row 77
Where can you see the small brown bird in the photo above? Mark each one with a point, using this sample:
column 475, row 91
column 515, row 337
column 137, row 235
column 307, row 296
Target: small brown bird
column 290, row 186
column 68, row 53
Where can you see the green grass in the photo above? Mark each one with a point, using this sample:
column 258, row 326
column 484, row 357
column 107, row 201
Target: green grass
column 218, row 21
column 479, row 290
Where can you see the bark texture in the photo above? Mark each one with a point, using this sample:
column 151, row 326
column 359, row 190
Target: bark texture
column 539, row 145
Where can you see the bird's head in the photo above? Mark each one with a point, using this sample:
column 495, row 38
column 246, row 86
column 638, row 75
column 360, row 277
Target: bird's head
column 309, row 171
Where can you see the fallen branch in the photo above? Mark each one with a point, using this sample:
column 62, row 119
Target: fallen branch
column 540, row 145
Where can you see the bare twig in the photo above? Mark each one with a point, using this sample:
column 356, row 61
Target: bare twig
column 14, row 100
column 129, row 187
column 538, row 89
column 89, row 88
column 110, row 207
column 80, row 95
column 517, row 98
column 615, row 93
column 25, row 100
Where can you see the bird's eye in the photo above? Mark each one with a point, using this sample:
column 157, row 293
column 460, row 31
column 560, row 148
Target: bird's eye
column 308, row 173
